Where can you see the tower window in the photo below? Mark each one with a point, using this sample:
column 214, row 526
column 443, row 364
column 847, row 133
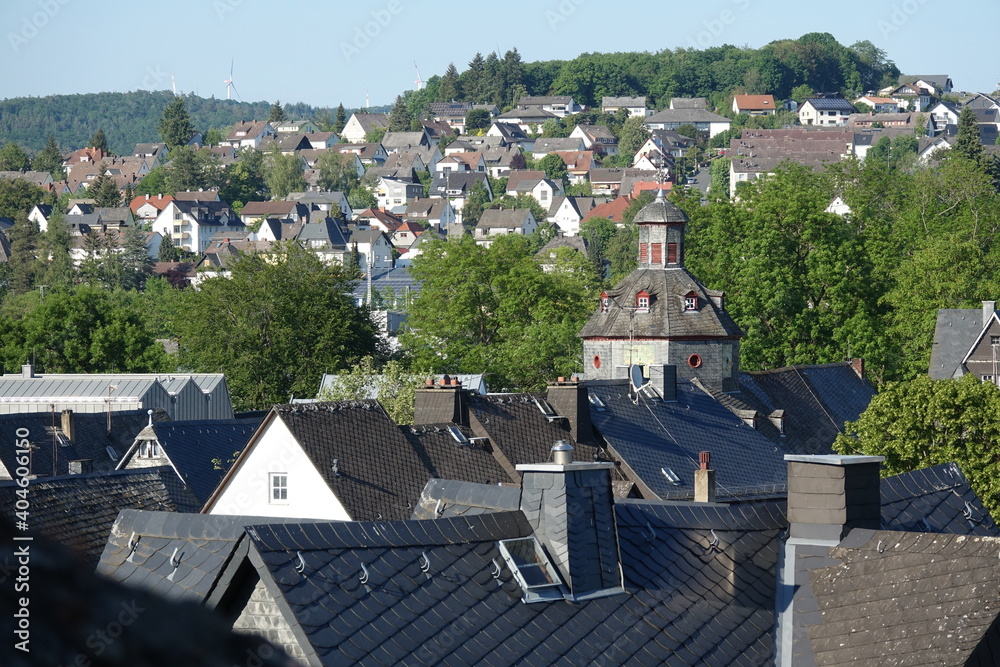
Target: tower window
column 597, row 361
column 643, row 252
column 671, row 253
column 657, row 253
column 690, row 303
column 642, row 300
column 694, row 361
column 605, row 302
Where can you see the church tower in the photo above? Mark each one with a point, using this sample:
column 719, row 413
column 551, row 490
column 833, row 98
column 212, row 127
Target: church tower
column 661, row 314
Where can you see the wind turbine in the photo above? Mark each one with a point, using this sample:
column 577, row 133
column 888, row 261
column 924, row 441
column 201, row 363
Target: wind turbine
column 230, row 86
column 419, row 81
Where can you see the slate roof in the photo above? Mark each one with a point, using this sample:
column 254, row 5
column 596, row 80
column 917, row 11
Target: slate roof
column 954, row 333
column 520, row 431
column 934, row 500
column 685, row 601
column 666, row 317
column 558, row 144
column 78, row 510
column 446, row 458
column 623, row 102
column 399, row 279
column 494, row 218
column 815, row 400
column 380, row 475
column 686, row 115
column 327, row 230
column 90, row 438
column 764, row 150
column 80, row 612
column 275, row 209
column 899, row 598
column 446, row 498
column 193, row 448
column 651, row 436
column 457, row 180
column 689, row 103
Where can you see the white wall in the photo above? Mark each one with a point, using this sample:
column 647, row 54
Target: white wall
column 248, row 491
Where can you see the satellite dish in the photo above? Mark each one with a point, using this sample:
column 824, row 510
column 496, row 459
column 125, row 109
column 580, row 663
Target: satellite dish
column 635, row 373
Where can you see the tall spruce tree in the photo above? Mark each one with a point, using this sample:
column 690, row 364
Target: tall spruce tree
column 105, row 191
column 98, row 140
column 24, row 264
column 55, row 242
column 13, row 158
column 448, row 89
column 50, row 159
column 471, row 82
column 135, row 257
column 341, row 119
column 175, row 124
column 277, row 113
column 399, row 118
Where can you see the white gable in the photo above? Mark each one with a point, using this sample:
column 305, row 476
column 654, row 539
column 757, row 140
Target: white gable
column 247, row 490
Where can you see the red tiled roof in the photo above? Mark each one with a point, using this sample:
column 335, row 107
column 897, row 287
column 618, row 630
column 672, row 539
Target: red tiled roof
column 612, row 210
column 754, row 101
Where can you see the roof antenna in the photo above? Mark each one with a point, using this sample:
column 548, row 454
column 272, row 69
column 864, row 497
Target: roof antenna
column 150, row 413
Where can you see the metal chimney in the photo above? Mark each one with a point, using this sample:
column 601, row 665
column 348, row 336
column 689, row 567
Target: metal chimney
column 562, row 453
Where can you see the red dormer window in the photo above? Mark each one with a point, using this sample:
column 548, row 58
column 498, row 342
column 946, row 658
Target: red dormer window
column 642, row 301
column 605, row 302
column 690, row 301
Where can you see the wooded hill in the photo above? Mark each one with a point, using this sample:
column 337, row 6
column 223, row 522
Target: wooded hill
column 815, row 62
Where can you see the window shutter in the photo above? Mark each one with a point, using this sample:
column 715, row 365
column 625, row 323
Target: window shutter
column 642, row 252
column 657, row 253
column 671, row 253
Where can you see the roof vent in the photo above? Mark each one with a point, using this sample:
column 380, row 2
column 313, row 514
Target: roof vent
column 562, row 452
column 532, row 569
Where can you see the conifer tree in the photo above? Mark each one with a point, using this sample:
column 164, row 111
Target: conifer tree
column 341, row 119
column 105, row 190
column 399, row 118
column 24, row 264
column 277, row 113
column 98, row 140
column 50, row 159
column 175, row 124
column 448, row 90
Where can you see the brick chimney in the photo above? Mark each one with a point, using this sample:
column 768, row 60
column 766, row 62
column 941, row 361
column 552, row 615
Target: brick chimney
column 67, row 425
column 704, row 480
column 830, row 495
column 570, row 506
column 859, row 367
column 570, row 399
column 438, row 404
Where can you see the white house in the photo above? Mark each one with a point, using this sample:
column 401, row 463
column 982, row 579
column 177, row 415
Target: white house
column 498, row 221
column 249, row 134
column 360, row 124
column 374, row 249
column 558, row 105
column 879, row 104
column 392, row 193
column 825, row 111
column 190, row 224
column 636, row 106
column 703, row 120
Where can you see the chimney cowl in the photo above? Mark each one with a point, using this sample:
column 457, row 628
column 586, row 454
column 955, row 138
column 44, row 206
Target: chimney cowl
column 562, row 452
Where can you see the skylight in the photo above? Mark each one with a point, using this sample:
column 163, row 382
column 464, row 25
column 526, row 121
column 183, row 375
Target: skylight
column 671, row 476
column 458, row 435
column 596, row 401
column 533, row 570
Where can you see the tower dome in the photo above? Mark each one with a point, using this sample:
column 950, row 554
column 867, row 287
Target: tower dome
column 662, row 211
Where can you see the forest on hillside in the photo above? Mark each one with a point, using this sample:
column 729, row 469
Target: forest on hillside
column 815, row 62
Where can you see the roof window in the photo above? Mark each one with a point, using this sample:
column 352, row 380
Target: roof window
column 532, row 569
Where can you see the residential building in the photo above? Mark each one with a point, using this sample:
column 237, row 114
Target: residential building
column 597, row 138
column 825, row 111
column 758, row 152
column 455, row 186
column 936, row 84
column 438, row 213
column 967, row 340
column 558, row 105
column 146, row 207
column 688, row 103
column 755, row 105
column 566, row 213
column 328, row 240
column 578, row 165
column 295, row 127
column 360, row 124
column 497, row 221
column 911, row 97
column 879, row 104
column 190, row 224
column 285, row 211
column 636, row 106
column 543, row 147
column 249, row 134
column 374, row 249
column 704, row 121
column 393, row 194
column 368, row 154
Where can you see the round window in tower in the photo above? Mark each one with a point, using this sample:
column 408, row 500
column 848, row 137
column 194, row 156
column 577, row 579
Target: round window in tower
column 597, row 361
column 694, row 361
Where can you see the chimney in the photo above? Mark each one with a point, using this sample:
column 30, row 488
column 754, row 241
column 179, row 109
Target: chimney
column 570, row 506
column 572, row 400
column 859, row 367
column 830, row 495
column 27, row 371
column 67, row 425
column 81, row 466
column 989, row 307
column 664, row 381
column 439, row 405
column 704, row 480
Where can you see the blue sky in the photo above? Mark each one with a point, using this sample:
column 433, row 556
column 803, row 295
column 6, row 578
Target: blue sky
column 324, row 53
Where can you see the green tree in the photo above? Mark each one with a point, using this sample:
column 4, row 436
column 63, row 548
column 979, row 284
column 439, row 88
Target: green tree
column 632, row 136
column 688, row 130
column 185, row 170
column 376, row 135
column 448, row 89
column 474, row 204
column 83, row 330
column 554, row 167
column 399, row 117
column 104, row 190
column 55, row 246
column 50, row 159
column 244, row 181
column 288, row 319
column 925, row 422
column 24, row 263
column 175, row 126
column 99, row 141
column 283, row 173
column 168, row 252
column 718, row 170
column 18, row 196
column 361, row 198
column 392, row 383
column 154, row 183
column 277, row 113
column 341, row 119
column 135, row 257
column 496, row 311
column 478, row 119
column 213, row 136
column 12, row 158
column 553, row 128
column 337, row 171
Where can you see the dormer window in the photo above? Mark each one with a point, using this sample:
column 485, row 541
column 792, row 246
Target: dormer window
column 605, row 302
column 642, row 301
column 691, row 302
